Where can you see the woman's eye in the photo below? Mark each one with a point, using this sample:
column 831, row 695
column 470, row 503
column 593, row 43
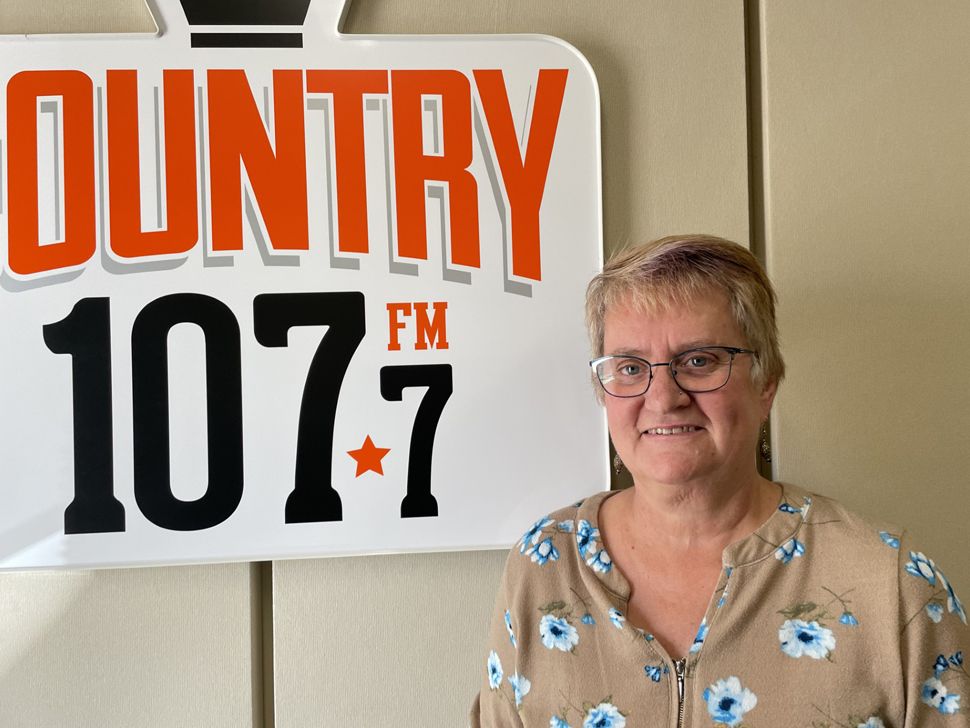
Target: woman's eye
column 629, row 369
column 697, row 361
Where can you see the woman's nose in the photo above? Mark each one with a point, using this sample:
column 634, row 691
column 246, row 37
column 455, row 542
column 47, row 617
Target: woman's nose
column 663, row 389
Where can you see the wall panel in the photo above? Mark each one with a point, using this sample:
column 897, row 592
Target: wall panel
column 867, row 176
column 153, row 648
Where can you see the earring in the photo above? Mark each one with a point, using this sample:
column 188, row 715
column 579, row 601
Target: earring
column 617, row 464
column 763, row 447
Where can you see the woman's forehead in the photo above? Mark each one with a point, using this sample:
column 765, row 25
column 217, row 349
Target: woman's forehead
column 702, row 321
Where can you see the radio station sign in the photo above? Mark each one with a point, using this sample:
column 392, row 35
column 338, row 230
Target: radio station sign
column 268, row 291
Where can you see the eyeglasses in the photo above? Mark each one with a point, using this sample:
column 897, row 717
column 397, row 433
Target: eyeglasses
column 695, row 370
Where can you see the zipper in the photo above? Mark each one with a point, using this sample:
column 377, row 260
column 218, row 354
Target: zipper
column 680, row 668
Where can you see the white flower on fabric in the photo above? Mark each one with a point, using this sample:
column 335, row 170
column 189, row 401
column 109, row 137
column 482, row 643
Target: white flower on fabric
column 935, row 694
column 557, row 633
column 530, row 537
column 508, row 627
column 934, row 610
column 604, row 715
column 557, row 722
column 889, row 539
column 922, row 567
column 790, row 549
column 873, row 722
column 586, row 536
column 565, row 526
column 727, row 701
column 600, row 561
column 800, row 638
column 494, row 670
column 699, row 637
column 520, row 686
column 616, row 617
column 952, row 602
column 543, row 551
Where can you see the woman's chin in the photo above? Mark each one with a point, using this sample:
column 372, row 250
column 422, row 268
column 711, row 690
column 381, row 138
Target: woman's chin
column 668, row 473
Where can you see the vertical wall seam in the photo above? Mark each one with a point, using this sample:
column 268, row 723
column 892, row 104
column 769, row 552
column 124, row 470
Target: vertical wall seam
column 268, row 686
column 755, row 150
column 261, row 631
column 757, row 214
column 256, row 643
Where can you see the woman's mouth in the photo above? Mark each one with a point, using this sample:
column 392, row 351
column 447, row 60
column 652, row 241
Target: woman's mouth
column 679, row 430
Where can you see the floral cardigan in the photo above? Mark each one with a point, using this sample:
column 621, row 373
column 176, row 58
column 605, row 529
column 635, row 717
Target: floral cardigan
column 820, row 619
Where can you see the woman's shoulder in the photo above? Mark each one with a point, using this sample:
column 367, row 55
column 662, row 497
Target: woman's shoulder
column 874, row 544
column 555, row 544
column 851, row 527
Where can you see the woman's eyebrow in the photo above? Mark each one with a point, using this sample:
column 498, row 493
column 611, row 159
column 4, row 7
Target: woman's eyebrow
column 695, row 344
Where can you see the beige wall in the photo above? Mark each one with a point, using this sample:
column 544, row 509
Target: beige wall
column 859, row 183
column 866, row 131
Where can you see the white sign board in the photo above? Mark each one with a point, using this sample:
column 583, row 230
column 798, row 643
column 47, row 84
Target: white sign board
column 271, row 291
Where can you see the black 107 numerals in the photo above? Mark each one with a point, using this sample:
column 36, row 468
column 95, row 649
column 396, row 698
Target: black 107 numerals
column 85, row 334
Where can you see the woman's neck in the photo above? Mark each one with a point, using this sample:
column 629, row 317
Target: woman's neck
column 695, row 519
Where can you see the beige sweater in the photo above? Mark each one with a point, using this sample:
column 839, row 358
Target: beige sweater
column 820, row 619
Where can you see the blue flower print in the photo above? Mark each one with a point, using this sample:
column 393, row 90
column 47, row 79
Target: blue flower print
column 922, row 567
column 600, row 561
column 520, row 686
column 616, row 617
column 934, row 610
column 935, row 694
column 543, row 551
column 727, row 701
column 604, row 715
column 647, row 637
column 557, row 633
column 952, row 602
column 699, row 637
column 588, row 619
column 655, row 672
column 800, row 638
column 889, row 540
column 724, row 593
column 788, row 508
column 565, row 526
column 557, row 722
column 873, row 722
column 941, row 666
column 790, row 549
column 586, row 536
column 956, row 659
column 508, row 628
column 494, row 670
column 530, row 537
column 848, row 618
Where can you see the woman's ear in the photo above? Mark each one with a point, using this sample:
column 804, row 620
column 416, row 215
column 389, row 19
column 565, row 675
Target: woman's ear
column 768, row 396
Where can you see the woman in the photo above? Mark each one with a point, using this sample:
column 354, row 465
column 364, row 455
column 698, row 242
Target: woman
column 705, row 594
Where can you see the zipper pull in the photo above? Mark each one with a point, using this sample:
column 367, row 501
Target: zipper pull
column 680, row 669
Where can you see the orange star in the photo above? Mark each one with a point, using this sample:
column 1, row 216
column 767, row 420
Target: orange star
column 369, row 457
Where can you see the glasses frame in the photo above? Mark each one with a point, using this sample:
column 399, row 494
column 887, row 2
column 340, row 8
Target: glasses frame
column 732, row 350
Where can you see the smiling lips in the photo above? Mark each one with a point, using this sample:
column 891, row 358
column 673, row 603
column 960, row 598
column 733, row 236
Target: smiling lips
column 671, row 430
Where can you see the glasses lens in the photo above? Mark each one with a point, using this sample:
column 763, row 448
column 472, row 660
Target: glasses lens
column 702, row 370
column 623, row 376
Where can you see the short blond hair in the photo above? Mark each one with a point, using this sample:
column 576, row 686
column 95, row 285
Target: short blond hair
column 676, row 270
